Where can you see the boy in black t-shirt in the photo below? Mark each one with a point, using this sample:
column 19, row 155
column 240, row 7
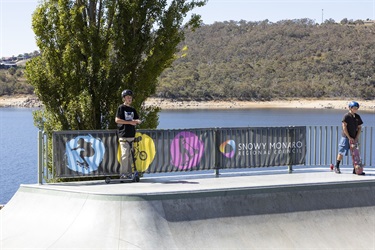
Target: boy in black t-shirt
column 126, row 118
column 351, row 129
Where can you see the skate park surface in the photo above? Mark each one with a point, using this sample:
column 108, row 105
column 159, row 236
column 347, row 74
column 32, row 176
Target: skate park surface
column 311, row 208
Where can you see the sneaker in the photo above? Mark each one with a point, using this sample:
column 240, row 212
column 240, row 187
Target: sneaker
column 337, row 170
column 126, row 176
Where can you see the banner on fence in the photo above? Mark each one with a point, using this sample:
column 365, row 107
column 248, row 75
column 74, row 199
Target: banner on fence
column 180, row 150
column 84, row 153
column 261, row 147
column 93, row 153
column 97, row 153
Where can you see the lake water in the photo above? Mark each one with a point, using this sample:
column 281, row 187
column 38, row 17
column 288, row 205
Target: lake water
column 248, row 118
column 18, row 136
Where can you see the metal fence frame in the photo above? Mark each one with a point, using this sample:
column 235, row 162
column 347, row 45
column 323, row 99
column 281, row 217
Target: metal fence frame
column 321, row 142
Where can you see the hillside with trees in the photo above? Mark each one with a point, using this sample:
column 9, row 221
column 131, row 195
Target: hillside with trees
column 13, row 82
column 262, row 61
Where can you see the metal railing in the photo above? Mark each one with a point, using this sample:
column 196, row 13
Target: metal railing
column 322, row 146
column 321, row 149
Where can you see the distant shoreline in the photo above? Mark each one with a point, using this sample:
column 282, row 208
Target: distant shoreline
column 30, row 101
column 292, row 103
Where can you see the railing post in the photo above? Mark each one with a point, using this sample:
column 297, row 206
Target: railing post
column 290, row 169
column 216, row 156
column 290, row 136
column 45, row 160
column 40, row 157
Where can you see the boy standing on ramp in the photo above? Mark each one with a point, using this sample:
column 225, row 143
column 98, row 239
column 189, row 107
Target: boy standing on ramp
column 351, row 129
column 126, row 118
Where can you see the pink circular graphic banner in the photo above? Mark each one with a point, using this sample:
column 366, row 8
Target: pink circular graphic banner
column 186, row 150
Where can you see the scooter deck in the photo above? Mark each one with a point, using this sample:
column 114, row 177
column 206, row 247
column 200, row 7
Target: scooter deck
column 135, row 178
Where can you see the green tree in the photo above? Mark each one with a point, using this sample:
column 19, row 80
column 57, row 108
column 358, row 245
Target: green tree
column 93, row 49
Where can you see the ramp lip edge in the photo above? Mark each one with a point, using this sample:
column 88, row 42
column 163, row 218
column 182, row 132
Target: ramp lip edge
column 210, row 192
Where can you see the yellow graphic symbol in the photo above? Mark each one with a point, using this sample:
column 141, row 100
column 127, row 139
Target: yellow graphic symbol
column 144, row 151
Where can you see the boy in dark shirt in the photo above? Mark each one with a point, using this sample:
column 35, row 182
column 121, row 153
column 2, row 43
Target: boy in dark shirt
column 351, row 129
column 126, row 118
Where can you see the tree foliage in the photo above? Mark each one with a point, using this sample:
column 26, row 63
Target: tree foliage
column 93, row 49
column 263, row 60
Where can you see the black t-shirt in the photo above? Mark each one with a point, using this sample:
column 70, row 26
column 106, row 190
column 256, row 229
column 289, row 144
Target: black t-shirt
column 352, row 122
column 126, row 113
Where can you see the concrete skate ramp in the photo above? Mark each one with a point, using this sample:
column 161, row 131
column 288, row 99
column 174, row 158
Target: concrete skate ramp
column 321, row 216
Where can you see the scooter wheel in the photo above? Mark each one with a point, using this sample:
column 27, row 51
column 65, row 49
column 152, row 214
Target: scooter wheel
column 107, row 180
column 137, row 179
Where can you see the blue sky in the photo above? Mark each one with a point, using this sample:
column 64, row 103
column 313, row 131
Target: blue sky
column 17, row 37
